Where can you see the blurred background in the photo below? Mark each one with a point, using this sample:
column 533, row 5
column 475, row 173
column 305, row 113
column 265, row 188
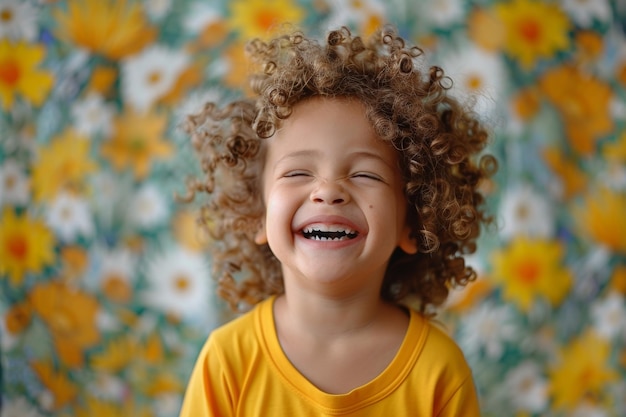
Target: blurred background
column 105, row 291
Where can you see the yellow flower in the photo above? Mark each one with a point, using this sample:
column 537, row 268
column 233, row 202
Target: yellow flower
column 486, row 29
column 96, row 407
column 573, row 178
column 163, row 383
column 190, row 77
column 372, row 22
column 462, row 299
column 62, row 165
column 616, row 152
column 239, row 67
column 62, row 389
column 589, row 45
column 116, row 355
column 584, row 103
column 526, row 103
column 531, row 268
column 112, row 28
column 258, row 18
column 70, row 316
column 152, row 350
column 188, row 231
column 75, row 261
column 583, row 371
column 137, row 139
column 18, row 317
column 618, row 279
column 534, row 30
column 102, row 79
column 602, row 218
column 26, row 245
column 19, row 74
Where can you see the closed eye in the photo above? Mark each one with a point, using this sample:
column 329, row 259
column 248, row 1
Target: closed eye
column 292, row 174
column 367, row 175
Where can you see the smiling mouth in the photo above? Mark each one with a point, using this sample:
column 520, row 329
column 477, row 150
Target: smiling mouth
column 333, row 233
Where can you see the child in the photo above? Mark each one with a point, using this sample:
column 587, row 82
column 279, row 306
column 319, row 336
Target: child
column 342, row 199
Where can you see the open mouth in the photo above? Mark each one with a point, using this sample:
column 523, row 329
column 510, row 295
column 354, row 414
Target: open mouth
column 334, row 233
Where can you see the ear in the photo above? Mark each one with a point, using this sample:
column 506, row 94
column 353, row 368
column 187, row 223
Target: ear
column 260, row 238
column 407, row 242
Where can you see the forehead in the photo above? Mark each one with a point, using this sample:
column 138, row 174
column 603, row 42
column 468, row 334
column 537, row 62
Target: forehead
column 335, row 122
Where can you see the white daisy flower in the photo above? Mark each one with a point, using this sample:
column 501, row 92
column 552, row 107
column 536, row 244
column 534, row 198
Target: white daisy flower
column 8, row 341
column 151, row 74
column 613, row 175
column 107, row 386
column 358, row 13
column 178, row 284
column 114, row 273
column 609, row 315
column 167, row 404
column 157, row 9
column 14, row 184
column 200, row 16
column 584, row 12
column 527, row 388
column 46, row 400
column 18, row 20
column 107, row 321
column 19, row 407
column 148, row 208
column 478, row 78
column 106, row 200
column 442, row 13
column 588, row 409
column 488, row 328
column 92, row 115
column 524, row 211
column 194, row 102
column 70, row 217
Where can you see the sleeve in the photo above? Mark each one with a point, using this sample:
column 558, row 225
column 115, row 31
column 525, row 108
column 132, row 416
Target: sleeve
column 208, row 392
column 463, row 403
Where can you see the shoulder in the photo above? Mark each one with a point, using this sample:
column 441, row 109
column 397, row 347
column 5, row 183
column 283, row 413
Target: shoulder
column 440, row 351
column 443, row 371
column 241, row 334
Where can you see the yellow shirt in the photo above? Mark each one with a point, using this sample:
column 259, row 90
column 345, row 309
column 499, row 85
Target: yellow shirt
column 242, row 371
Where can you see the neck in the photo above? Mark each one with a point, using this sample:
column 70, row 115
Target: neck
column 324, row 317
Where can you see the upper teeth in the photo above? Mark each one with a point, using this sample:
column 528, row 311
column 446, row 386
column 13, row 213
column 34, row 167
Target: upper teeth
column 328, row 228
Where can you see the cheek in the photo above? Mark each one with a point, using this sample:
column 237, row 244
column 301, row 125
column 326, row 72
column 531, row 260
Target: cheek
column 279, row 208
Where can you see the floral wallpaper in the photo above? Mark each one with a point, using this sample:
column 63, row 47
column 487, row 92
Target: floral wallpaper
column 105, row 295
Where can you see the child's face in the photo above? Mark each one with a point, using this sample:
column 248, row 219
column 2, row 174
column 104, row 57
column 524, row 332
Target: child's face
column 333, row 193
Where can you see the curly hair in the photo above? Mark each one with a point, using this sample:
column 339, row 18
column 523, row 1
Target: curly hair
column 439, row 144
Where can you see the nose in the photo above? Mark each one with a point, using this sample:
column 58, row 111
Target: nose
column 329, row 192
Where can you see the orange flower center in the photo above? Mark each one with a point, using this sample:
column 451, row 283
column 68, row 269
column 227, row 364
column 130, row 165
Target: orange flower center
column 17, row 246
column 154, row 77
column 137, row 145
column 473, row 82
column 181, row 283
column 6, row 15
column 9, row 72
column 528, row 272
column 265, row 19
column 9, row 182
column 530, row 30
column 116, row 288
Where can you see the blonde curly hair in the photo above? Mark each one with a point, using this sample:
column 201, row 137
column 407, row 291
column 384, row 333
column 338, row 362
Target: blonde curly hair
column 439, row 145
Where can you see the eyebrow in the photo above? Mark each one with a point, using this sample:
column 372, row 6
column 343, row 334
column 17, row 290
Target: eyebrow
column 312, row 153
